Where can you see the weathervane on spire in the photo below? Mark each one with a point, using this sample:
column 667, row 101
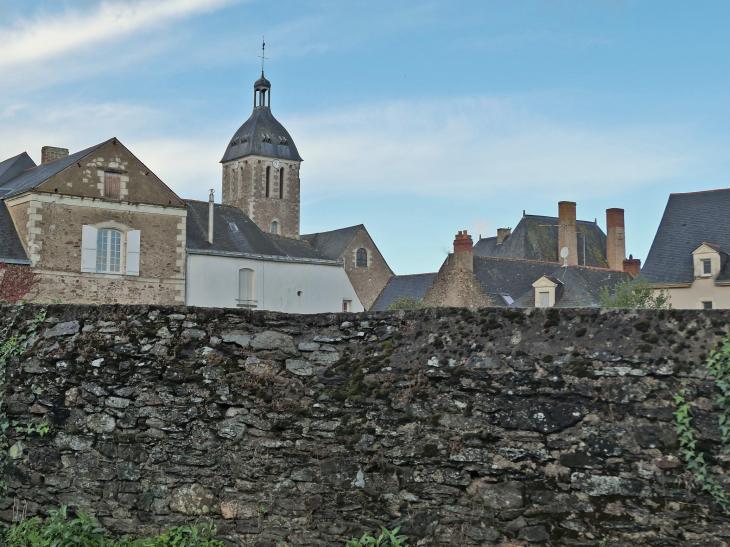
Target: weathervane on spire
column 263, row 51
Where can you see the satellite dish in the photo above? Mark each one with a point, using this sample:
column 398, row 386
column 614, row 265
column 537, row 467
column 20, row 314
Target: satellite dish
column 564, row 252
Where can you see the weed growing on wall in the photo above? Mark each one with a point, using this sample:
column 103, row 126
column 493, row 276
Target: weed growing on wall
column 719, row 365
column 85, row 531
column 10, row 346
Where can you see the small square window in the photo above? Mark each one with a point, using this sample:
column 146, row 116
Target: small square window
column 707, row 305
column 707, row 267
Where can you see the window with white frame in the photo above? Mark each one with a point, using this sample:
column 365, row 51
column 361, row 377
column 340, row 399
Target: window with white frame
column 347, row 305
column 544, row 301
column 706, row 267
column 110, row 251
column 246, row 288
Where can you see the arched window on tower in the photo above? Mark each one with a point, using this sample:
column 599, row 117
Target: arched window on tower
column 281, row 183
column 268, row 181
column 274, row 227
column 362, row 258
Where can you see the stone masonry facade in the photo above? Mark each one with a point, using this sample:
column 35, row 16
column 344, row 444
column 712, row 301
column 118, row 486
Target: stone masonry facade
column 483, row 427
column 244, row 186
column 50, row 222
column 368, row 282
column 456, row 285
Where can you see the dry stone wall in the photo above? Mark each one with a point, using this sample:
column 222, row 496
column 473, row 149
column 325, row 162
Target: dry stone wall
column 488, row 427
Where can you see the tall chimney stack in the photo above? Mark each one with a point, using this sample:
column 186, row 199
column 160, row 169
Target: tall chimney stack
column 615, row 240
column 568, row 230
column 210, row 216
column 51, row 153
column 632, row 266
column 464, row 251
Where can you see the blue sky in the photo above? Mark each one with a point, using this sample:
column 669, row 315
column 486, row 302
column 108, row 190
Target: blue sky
column 416, row 118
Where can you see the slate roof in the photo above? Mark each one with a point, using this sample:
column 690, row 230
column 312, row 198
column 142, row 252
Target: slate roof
column 401, row 286
column 689, row 220
column 536, row 238
column 235, row 233
column 509, row 276
column 249, row 139
column 33, row 177
column 581, row 286
column 332, row 244
column 11, row 249
column 12, row 167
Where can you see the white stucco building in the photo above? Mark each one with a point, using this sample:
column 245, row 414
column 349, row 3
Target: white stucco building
column 242, row 266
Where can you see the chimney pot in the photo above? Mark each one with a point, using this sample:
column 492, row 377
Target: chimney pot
column 52, row 153
column 632, row 266
column 464, row 251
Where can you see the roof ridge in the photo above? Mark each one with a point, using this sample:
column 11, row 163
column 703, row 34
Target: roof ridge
column 699, row 192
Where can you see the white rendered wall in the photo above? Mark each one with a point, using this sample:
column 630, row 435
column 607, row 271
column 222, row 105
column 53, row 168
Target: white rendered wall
column 212, row 281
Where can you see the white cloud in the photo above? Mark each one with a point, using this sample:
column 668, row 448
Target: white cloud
column 478, row 147
column 51, row 35
column 464, row 149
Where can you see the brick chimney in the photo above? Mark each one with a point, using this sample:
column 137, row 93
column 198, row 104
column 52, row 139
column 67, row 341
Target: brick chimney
column 615, row 240
column 502, row 234
column 568, row 230
column 464, row 251
column 631, row 266
column 51, row 153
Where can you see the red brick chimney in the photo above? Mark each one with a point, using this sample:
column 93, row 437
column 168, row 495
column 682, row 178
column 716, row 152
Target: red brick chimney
column 464, row 251
column 51, row 153
column 568, row 230
column 502, row 234
column 631, row 266
column 615, row 240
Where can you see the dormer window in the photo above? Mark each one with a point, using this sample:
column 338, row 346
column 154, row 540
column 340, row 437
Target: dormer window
column 547, row 291
column 283, row 141
column 706, row 267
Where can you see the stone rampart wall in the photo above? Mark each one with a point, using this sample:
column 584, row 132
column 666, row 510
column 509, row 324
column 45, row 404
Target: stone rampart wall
column 550, row 427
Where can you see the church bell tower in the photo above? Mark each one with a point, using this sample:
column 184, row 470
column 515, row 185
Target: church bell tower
column 261, row 169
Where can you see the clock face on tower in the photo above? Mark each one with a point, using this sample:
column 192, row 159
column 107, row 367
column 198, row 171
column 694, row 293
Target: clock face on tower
column 277, row 164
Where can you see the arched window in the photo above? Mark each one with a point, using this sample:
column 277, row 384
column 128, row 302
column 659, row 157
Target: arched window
column 246, row 288
column 274, row 227
column 362, row 258
column 268, row 181
column 108, row 251
column 281, row 183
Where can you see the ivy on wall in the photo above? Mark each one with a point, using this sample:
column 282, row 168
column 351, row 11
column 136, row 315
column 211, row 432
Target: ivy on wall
column 719, row 366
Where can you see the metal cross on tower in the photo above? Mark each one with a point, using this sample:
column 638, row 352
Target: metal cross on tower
column 263, row 51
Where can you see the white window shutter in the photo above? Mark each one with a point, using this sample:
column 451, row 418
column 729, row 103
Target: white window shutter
column 133, row 252
column 88, row 248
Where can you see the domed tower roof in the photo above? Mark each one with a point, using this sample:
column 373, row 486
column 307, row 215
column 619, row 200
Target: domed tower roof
column 261, row 134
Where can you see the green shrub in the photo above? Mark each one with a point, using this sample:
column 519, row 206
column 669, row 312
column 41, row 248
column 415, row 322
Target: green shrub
column 407, row 303
column 85, row 531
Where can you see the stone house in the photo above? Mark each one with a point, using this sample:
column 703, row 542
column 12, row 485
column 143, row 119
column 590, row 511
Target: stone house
column 468, row 280
column 688, row 257
column 365, row 266
column 97, row 226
